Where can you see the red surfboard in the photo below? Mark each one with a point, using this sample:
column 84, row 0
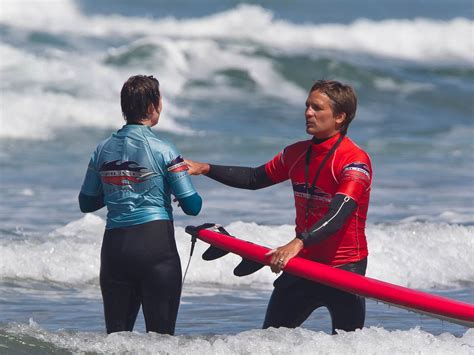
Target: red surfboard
column 432, row 305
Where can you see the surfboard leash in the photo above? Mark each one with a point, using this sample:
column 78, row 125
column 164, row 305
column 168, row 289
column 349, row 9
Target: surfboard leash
column 192, row 231
column 193, row 244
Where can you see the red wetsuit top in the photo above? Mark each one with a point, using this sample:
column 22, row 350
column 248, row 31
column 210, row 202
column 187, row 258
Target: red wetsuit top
column 348, row 171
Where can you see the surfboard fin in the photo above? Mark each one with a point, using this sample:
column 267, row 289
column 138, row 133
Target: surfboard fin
column 212, row 252
column 247, row 267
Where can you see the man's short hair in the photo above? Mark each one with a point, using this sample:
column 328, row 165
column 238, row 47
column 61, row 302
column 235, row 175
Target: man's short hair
column 137, row 94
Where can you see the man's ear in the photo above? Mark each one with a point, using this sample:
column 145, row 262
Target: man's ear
column 340, row 118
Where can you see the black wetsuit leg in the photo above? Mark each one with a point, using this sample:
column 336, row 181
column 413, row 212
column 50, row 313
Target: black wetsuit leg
column 289, row 306
column 294, row 299
column 140, row 266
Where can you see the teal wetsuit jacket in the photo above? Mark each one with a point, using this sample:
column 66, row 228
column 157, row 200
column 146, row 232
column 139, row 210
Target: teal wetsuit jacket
column 134, row 173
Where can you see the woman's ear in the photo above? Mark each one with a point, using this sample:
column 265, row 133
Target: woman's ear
column 151, row 109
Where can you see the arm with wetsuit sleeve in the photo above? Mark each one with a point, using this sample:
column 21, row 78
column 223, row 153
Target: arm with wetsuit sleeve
column 91, row 197
column 240, row 176
column 181, row 185
column 355, row 180
column 340, row 209
column 191, row 205
column 90, row 203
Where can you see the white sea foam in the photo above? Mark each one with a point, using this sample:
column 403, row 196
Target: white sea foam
column 418, row 39
column 372, row 340
column 63, row 90
column 78, row 86
column 404, row 88
column 70, row 254
column 418, row 255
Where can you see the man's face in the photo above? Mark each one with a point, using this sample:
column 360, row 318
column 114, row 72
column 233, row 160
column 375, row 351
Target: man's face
column 320, row 120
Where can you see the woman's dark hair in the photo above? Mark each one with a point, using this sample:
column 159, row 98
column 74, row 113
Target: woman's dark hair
column 343, row 99
column 137, row 94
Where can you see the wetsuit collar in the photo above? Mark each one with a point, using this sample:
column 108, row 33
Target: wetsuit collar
column 324, row 144
column 134, row 127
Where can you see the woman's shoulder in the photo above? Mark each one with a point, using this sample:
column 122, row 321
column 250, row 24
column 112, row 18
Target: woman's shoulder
column 162, row 145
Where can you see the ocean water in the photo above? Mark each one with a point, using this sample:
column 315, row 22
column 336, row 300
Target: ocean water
column 234, row 76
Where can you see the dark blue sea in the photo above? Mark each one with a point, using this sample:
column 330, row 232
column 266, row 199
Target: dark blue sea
column 234, row 77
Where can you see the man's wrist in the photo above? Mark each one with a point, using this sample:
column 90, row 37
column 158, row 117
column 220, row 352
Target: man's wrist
column 302, row 237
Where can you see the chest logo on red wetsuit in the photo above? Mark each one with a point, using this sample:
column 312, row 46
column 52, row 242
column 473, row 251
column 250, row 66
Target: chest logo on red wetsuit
column 300, row 190
column 177, row 165
column 125, row 173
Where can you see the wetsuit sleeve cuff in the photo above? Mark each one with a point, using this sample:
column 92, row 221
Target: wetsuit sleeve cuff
column 191, row 205
column 90, row 203
column 303, row 237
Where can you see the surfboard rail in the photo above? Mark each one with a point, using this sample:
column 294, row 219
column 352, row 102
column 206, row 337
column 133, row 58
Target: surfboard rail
column 422, row 302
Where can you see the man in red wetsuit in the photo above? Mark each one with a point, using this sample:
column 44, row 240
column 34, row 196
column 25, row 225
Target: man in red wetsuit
column 331, row 178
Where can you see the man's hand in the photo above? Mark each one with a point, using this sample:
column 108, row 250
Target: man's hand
column 197, row 168
column 281, row 255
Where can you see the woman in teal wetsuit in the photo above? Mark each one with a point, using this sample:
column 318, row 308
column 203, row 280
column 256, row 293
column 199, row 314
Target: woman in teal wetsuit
column 133, row 173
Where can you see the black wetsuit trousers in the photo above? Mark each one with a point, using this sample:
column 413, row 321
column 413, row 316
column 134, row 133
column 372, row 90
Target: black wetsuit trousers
column 294, row 299
column 140, row 265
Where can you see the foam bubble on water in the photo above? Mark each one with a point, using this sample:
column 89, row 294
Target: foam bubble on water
column 27, row 192
column 372, row 340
